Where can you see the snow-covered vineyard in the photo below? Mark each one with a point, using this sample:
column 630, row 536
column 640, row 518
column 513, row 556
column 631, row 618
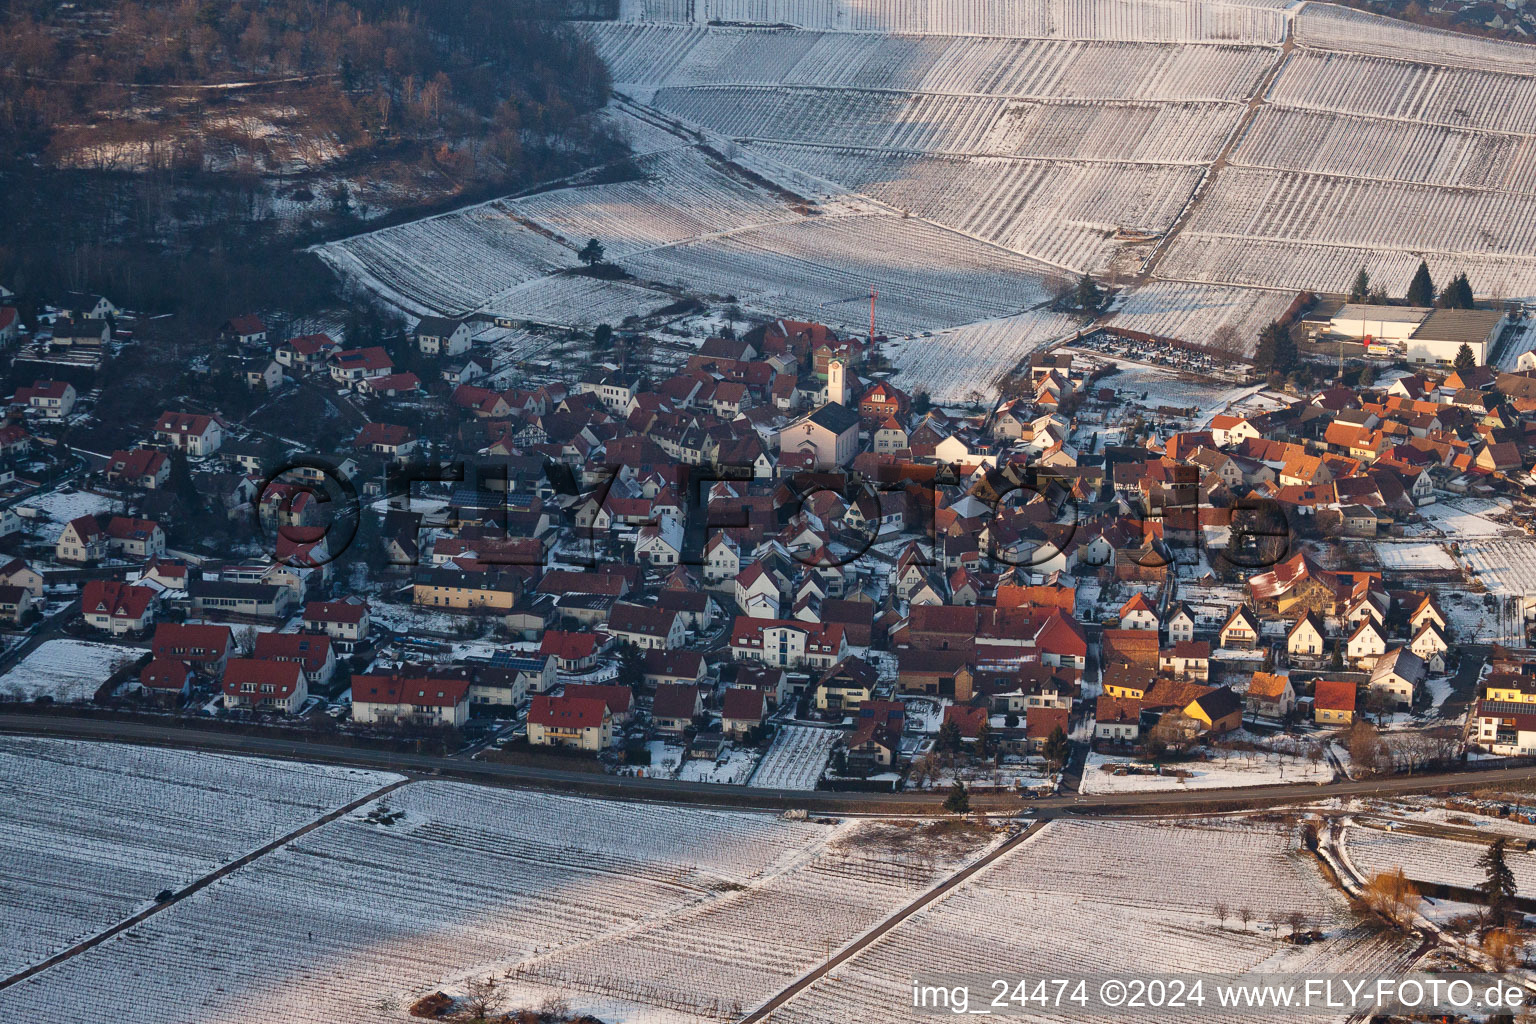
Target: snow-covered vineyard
column 986, row 151
column 437, row 881
column 95, row 831
column 674, row 914
column 1149, row 885
column 1364, row 107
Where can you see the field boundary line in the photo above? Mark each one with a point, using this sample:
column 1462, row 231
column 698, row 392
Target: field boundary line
column 199, row 885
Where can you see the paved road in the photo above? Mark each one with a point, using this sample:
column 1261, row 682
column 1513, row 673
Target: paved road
column 531, row 777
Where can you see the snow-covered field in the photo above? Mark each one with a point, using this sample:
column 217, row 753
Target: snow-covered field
column 1241, row 768
column 1430, row 858
column 1409, row 555
column 66, row 669
column 963, row 365
column 689, row 910
column 1461, row 518
column 797, row 758
column 1154, row 387
column 928, row 278
column 62, row 506
column 1200, row 314
column 1150, row 886
column 95, row 830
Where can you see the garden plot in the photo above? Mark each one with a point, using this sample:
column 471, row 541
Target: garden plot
column 1152, row 886
column 733, row 771
column 1408, row 556
column 928, row 278
column 1458, row 519
column 1200, row 314
column 62, row 506
column 963, row 365
column 66, row 669
column 1507, row 567
column 797, row 758
column 1157, row 387
column 356, row 919
column 1429, row 858
column 95, row 830
column 1240, row 768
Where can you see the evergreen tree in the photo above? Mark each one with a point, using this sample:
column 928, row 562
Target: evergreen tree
column 602, row 337
column 1361, row 289
column 1056, row 747
column 631, row 664
column 949, row 738
column 181, row 483
column 1088, row 295
column 1457, row 294
column 1277, row 350
column 1421, row 290
column 984, row 738
column 1498, row 886
column 959, row 799
column 591, row 253
column 1465, row 360
column 921, row 403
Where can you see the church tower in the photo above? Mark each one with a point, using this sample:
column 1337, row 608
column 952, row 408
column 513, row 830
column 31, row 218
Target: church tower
column 837, row 382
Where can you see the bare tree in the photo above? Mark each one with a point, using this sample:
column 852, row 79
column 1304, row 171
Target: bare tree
column 483, row 997
column 1245, row 914
column 1222, row 913
column 1391, row 895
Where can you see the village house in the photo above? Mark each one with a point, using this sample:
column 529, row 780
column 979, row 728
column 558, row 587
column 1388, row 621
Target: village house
column 442, row 336
column 584, row 723
column 119, row 609
column 1270, row 695
column 742, row 710
column 205, row 648
column 82, row 540
column 17, row 573
column 195, row 434
column 1333, row 702
column 260, row 685
column 135, row 538
column 141, row 468
column 343, row 621
column 675, row 706
column 53, row 399
column 16, row 604
column 314, row 654
column 400, row 700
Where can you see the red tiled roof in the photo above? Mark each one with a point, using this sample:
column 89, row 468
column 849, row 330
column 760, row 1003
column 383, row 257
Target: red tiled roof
column 392, row 689
column 350, row 612
column 618, row 698
column 119, row 600
column 567, row 712
column 310, row 650
column 1334, row 695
